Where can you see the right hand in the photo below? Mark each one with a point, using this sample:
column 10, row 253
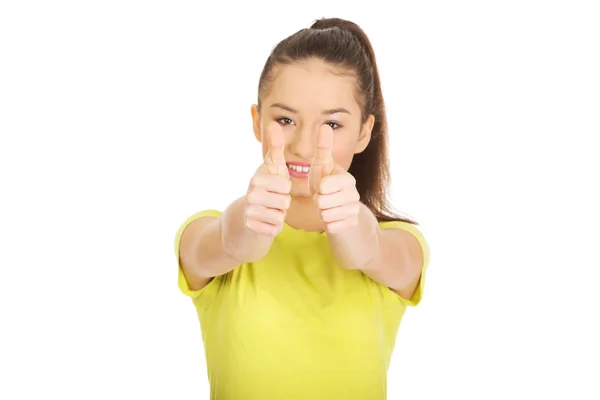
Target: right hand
column 268, row 196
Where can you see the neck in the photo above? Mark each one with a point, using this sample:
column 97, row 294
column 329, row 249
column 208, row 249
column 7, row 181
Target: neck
column 303, row 215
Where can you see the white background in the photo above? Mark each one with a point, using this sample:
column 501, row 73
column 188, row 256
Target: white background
column 119, row 119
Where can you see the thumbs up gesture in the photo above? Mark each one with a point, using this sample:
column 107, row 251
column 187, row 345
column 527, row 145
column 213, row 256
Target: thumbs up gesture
column 333, row 188
column 268, row 196
column 275, row 158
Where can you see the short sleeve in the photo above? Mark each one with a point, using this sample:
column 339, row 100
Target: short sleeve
column 182, row 282
column 418, row 294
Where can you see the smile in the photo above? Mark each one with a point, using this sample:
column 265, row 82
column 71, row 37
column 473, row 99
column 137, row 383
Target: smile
column 298, row 171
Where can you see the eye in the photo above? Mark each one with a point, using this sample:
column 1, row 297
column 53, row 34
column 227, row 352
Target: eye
column 284, row 121
column 334, row 125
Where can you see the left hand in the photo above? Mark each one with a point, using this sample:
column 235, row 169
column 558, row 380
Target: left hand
column 333, row 188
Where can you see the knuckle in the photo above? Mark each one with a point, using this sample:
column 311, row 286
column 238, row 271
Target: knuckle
column 250, row 225
column 322, row 186
column 270, row 230
column 330, row 227
column 255, row 181
column 321, row 202
column 317, row 198
column 276, row 217
column 284, row 185
column 251, row 197
column 280, row 202
column 265, row 230
column 250, row 210
column 262, row 228
column 278, row 230
column 271, row 201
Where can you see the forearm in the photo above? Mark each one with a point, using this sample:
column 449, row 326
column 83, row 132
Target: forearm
column 238, row 241
column 212, row 247
column 357, row 247
column 391, row 257
column 202, row 255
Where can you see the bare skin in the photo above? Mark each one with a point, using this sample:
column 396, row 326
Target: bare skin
column 310, row 128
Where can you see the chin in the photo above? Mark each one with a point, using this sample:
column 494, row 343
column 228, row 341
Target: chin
column 300, row 188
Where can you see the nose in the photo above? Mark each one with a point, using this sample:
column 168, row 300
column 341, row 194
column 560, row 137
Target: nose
column 302, row 143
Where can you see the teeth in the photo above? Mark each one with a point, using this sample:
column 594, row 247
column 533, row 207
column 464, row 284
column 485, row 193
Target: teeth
column 299, row 168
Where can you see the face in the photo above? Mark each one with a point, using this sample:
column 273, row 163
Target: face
column 303, row 97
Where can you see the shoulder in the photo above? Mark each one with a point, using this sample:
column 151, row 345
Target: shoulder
column 405, row 227
column 195, row 221
column 204, row 213
column 406, row 231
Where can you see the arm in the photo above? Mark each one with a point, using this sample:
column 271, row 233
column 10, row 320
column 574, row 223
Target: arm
column 211, row 247
column 391, row 257
column 207, row 245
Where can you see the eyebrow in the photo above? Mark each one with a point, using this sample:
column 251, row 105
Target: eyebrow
column 324, row 112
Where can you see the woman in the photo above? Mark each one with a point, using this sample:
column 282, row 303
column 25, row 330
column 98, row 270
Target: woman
column 300, row 285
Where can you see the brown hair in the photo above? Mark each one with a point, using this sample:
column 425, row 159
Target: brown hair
column 344, row 44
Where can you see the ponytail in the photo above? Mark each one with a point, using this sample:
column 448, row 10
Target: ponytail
column 344, row 44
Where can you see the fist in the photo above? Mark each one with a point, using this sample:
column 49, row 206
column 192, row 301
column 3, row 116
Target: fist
column 268, row 196
column 334, row 189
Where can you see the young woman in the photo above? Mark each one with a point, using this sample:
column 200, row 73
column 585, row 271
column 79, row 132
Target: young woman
column 300, row 284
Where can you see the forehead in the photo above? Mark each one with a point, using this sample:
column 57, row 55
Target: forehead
column 313, row 86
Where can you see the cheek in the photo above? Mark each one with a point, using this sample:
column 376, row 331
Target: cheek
column 343, row 152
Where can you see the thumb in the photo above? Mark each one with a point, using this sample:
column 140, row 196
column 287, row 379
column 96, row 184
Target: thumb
column 323, row 163
column 323, row 153
column 275, row 158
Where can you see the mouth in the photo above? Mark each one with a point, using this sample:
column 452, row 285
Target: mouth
column 299, row 171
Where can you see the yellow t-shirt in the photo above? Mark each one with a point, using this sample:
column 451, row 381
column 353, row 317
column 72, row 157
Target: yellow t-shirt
column 297, row 326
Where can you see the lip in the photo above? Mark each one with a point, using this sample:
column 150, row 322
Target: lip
column 295, row 174
column 299, row 163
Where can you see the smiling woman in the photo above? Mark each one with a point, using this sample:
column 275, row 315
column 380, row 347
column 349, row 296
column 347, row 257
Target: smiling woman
column 300, row 284
column 305, row 96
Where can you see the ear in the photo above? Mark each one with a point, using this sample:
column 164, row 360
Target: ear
column 365, row 135
column 256, row 122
